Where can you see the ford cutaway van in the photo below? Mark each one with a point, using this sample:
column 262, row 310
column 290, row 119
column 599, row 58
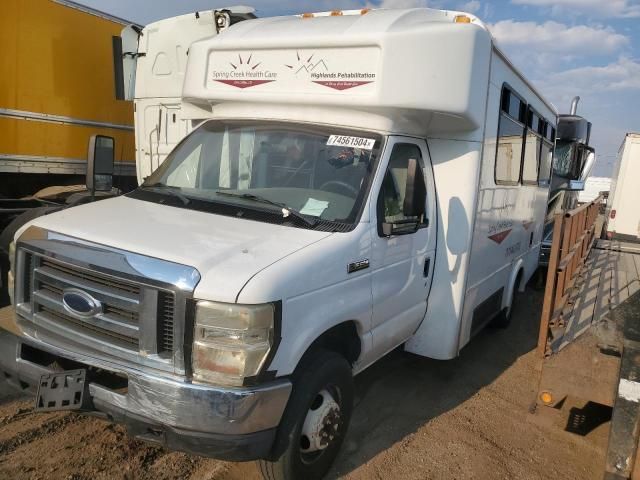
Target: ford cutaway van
column 349, row 183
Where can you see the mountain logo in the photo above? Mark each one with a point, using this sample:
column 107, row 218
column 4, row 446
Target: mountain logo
column 307, row 65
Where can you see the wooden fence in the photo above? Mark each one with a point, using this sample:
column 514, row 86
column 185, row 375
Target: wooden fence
column 573, row 237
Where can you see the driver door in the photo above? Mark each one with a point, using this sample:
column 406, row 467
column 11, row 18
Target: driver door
column 402, row 264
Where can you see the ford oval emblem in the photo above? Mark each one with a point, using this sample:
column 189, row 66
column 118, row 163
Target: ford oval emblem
column 80, row 303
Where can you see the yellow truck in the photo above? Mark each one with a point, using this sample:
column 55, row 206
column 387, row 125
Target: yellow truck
column 61, row 103
column 57, row 89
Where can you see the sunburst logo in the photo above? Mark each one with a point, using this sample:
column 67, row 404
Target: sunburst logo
column 247, row 63
column 244, row 72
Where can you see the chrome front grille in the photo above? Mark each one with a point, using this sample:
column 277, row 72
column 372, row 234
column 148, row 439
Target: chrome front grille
column 64, row 319
column 136, row 304
column 119, row 320
column 123, row 302
column 91, row 277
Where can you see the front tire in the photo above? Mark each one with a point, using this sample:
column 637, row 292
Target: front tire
column 316, row 419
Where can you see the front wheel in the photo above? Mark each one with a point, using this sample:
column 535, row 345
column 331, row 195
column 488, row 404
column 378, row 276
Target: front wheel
column 315, row 421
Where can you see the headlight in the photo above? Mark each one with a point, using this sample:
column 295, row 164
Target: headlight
column 12, row 270
column 231, row 342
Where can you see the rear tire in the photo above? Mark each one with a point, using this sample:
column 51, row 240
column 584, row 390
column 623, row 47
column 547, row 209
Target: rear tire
column 322, row 396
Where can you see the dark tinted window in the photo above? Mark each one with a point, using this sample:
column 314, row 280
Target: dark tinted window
column 512, row 105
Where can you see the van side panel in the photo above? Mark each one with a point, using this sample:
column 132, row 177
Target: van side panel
column 509, row 218
column 456, row 167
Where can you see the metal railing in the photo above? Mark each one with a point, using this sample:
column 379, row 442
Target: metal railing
column 573, row 237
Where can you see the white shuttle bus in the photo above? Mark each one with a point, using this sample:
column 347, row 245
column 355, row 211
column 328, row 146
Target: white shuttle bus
column 352, row 182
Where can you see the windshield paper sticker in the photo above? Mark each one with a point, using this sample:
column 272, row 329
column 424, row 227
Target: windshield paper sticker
column 354, row 142
column 314, row 207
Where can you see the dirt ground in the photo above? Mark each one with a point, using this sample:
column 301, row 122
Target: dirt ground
column 415, row 419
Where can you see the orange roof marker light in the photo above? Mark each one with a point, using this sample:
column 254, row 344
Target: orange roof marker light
column 307, row 15
column 364, row 11
column 336, row 13
column 461, row 19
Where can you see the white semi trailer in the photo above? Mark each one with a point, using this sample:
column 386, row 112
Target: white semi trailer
column 154, row 66
column 623, row 222
column 353, row 181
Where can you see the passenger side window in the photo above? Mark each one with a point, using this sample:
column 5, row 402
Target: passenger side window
column 393, row 190
column 510, row 145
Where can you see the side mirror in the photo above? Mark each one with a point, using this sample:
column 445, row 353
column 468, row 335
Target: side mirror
column 413, row 206
column 100, row 163
column 125, row 61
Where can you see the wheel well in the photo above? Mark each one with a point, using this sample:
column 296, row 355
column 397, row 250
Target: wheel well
column 342, row 339
column 519, row 277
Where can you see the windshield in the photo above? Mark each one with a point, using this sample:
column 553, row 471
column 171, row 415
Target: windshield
column 564, row 154
column 313, row 172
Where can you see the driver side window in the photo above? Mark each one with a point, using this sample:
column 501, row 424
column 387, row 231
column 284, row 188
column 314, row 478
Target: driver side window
column 392, row 192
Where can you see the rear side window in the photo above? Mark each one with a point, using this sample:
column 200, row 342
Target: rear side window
column 546, row 159
column 533, row 142
column 510, row 145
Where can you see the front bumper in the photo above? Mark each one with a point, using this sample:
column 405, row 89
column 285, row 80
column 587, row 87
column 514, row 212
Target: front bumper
column 230, row 424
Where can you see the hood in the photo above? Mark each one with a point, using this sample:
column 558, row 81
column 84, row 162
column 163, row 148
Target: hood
column 227, row 251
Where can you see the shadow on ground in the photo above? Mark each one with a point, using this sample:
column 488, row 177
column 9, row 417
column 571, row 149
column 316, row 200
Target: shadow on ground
column 402, row 392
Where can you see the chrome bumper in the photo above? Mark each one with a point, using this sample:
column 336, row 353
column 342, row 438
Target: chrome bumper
column 152, row 399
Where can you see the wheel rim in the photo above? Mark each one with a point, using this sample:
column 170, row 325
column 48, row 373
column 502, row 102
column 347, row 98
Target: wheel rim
column 322, row 425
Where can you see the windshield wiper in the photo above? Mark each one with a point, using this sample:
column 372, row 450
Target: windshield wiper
column 286, row 210
column 171, row 190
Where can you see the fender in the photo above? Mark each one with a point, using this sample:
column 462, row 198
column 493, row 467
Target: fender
column 518, row 267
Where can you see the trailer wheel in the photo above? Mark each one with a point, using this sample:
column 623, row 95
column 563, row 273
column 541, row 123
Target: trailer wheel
column 6, row 237
column 315, row 421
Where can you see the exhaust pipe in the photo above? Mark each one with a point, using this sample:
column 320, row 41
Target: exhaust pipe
column 574, row 105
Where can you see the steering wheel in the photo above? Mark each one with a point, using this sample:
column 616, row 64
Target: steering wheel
column 352, row 190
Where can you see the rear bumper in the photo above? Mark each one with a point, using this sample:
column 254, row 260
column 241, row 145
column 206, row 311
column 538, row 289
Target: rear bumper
column 230, row 424
column 545, row 253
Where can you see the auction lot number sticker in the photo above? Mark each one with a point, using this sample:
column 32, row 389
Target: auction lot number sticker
column 354, row 142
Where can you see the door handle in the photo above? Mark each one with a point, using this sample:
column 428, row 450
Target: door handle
column 427, row 264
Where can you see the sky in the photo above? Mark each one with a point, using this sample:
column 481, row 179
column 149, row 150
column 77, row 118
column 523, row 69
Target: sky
column 589, row 48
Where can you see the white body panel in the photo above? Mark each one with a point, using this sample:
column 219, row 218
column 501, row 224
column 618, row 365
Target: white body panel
column 430, row 82
column 226, row 251
column 624, row 196
column 515, row 212
column 160, row 72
